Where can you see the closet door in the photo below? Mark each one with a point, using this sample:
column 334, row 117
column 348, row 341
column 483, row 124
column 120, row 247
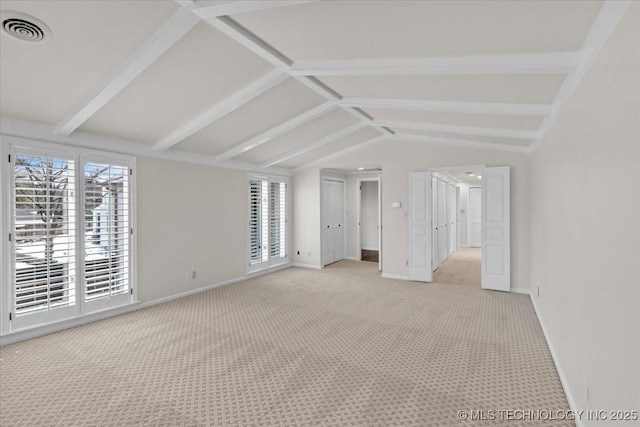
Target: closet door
column 420, row 226
column 333, row 221
column 338, row 242
column 434, row 225
column 452, row 218
column 442, row 221
column 327, row 234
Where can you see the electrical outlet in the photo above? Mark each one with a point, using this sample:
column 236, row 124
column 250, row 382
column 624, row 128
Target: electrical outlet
column 191, row 274
column 406, row 262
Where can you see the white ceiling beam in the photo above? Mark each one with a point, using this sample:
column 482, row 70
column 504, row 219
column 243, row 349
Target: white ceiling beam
column 337, row 154
column 158, row 43
column 464, row 130
column 249, row 40
column 463, row 143
column 211, row 9
column 220, row 110
column 314, row 144
column 277, row 131
column 451, row 107
column 545, row 63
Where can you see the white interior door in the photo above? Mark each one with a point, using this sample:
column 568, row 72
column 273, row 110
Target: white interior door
column 379, row 225
column 420, row 226
column 327, row 234
column 475, row 217
column 435, row 263
column 332, row 221
column 496, row 257
column 442, row 221
column 452, row 219
column 457, row 218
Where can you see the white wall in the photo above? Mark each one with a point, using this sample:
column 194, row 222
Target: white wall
column 369, row 215
column 193, row 218
column 306, row 218
column 398, row 158
column 585, row 228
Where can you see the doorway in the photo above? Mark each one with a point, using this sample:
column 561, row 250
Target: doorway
column 431, row 227
column 474, row 217
column 369, row 236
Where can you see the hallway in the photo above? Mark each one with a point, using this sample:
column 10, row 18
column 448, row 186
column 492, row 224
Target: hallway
column 461, row 268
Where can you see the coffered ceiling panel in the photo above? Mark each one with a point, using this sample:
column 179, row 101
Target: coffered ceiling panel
column 330, row 122
column 268, row 110
column 199, row 71
column 397, row 29
column 334, row 147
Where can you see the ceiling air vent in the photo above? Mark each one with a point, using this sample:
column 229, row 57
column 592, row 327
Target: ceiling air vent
column 23, row 27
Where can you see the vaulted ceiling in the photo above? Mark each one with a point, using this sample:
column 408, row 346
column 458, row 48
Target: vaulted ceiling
column 279, row 84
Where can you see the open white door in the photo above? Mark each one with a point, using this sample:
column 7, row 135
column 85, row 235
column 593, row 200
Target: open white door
column 420, row 227
column 379, row 225
column 496, row 258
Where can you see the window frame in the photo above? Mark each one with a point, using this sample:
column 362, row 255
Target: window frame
column 276, row 261
column 12, row 145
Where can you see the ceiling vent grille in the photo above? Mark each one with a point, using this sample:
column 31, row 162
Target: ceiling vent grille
column 23, row 27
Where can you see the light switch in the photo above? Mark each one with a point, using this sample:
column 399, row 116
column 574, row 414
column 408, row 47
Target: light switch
column 396, row 204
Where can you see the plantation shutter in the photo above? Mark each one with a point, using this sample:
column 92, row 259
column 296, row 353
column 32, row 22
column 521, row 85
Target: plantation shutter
column 70, row 234
column 107, row 231
column 267, row 222
column 277, row 220
column 255, row 221
column 43, row 236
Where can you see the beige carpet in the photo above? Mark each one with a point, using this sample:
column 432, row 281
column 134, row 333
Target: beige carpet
column 332, row 347
column 461, row 268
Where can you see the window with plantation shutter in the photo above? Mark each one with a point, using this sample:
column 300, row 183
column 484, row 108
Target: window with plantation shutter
column 44, row 236
column 277, row 220
column 267, row 222
column 70, row 233
column 107, row 230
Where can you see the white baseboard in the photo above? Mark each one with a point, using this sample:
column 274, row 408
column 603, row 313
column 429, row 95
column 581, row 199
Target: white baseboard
column 394, row 276
column 38, row 331
column 352, row 258
column 315, row 267
column 521, row 291
column 554, row 356
column 369, row 249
